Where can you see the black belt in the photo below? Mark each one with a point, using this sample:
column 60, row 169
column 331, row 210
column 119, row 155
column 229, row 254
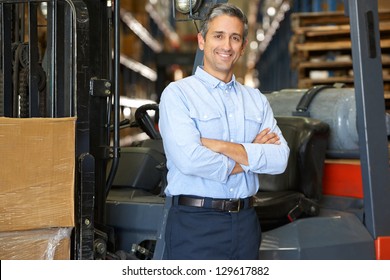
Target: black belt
column 227, row 205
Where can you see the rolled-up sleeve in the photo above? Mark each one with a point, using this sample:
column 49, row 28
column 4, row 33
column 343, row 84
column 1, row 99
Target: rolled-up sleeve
column 267, row 158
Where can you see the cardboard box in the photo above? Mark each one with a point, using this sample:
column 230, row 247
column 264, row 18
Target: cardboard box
column 37, row 165
column 42, row 244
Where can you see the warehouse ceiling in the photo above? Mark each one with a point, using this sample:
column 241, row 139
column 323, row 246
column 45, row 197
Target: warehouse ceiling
column 180, row 36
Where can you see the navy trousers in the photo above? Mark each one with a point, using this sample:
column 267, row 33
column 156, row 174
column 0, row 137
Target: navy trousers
column 194, row 233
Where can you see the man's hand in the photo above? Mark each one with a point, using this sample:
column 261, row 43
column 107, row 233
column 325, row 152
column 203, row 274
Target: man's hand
column 267, row 137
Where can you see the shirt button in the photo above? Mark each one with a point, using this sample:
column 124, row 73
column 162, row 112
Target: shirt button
column 230, row 115
column 231, row 190
column 232, row 140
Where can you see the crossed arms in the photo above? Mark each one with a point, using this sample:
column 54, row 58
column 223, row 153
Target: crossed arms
column 236, row 151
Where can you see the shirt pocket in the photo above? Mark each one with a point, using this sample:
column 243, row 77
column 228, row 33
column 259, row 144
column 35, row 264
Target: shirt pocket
column 253, row 122
column 209, row 123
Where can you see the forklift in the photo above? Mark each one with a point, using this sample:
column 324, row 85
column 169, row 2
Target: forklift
column 120, row 204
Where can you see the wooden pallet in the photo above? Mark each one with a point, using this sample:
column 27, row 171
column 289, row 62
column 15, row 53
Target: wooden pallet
column 320, row 49
column 299, row 20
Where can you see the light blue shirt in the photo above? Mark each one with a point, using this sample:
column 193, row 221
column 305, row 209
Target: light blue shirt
column 203, row 106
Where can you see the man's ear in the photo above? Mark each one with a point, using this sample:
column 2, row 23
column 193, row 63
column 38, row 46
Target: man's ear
column 200, row 42
column 244, row 46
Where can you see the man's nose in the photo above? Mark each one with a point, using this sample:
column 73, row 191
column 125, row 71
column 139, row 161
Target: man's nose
column 227, row 44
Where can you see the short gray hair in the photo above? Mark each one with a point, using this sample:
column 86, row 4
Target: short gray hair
column 224, row 9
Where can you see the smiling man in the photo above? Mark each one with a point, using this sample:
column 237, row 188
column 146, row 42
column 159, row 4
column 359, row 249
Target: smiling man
column 217, row 135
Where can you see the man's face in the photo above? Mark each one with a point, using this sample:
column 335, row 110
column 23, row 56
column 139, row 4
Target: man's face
column 222, row 46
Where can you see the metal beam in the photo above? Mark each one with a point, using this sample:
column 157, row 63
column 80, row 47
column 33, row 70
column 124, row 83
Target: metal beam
column 6, row 95
column 370, row 109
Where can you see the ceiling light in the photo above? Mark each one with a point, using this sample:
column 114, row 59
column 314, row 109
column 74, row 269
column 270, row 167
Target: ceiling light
column 187, row 6
column 254, row 45
column 271, row 11
column 260, row 35
column 43, row 8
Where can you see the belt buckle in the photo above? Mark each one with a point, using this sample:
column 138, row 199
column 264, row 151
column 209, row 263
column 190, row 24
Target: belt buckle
column 238, row 205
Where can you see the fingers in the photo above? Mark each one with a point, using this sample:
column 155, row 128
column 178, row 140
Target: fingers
column 267, row 137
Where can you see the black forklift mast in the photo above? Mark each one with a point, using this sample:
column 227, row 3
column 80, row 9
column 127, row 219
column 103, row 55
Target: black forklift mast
column 78, row 68
column 93, row 128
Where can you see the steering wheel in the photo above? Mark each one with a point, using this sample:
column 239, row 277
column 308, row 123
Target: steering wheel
column 145, row 121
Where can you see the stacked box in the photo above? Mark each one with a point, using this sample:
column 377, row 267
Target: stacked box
column 37, row 169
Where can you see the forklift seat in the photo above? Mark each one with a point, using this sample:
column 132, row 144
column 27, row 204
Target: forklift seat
column 295, row 193
column 141, row 167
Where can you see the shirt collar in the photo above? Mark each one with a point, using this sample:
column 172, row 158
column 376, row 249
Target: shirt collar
column 211, row 80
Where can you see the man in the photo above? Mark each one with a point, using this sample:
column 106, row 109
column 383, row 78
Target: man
column 217, row 135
